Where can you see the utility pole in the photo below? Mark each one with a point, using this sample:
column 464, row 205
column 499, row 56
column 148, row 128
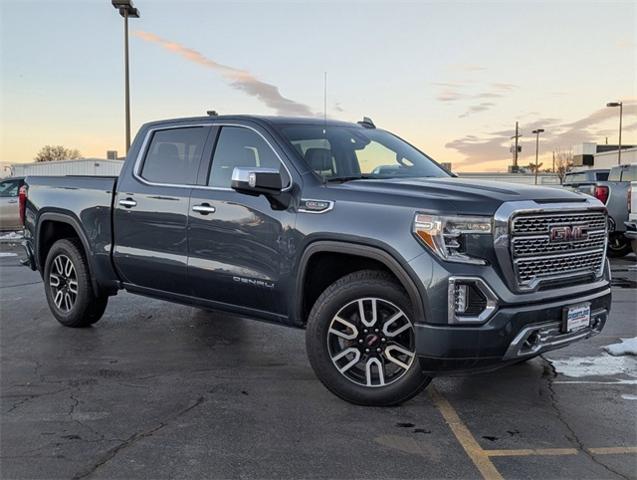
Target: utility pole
column 553, row 161
column 537, row 147
column 621, row 107
column 516, row 149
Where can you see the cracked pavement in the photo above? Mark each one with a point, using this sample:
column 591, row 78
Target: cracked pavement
column 156, row 390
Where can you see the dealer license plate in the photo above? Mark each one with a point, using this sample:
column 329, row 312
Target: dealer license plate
column 577, row 317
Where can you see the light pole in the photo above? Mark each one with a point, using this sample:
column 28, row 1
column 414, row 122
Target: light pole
column 537, row 147
column 126, row 10
column 620, row 105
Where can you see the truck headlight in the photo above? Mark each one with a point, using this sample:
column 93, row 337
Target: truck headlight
column 446, row 235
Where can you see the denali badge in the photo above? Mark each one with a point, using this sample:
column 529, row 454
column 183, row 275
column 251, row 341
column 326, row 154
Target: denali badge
column 254, row 282
column 567, row 234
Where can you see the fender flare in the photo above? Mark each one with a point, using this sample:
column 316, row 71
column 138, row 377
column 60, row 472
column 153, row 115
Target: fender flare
column 69, row 219
column 402, row 272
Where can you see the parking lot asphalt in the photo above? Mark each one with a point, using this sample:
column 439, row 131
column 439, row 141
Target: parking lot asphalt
column 156, row 390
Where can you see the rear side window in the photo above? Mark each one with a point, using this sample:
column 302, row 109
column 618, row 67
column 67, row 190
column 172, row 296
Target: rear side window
column 576, row 177
column 174, row 155
column 241, row 147
column 615, row 174
column 630, row 174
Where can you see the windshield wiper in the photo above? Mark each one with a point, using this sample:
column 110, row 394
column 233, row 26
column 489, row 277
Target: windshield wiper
column 347, row 178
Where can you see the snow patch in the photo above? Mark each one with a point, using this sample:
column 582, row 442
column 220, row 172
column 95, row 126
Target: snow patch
column 8, row 254
column 600, row 366
column 628, row 346
column 11, row 236
column 627, row 396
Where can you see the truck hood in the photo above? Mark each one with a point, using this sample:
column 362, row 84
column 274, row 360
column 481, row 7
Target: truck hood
column 462, row 195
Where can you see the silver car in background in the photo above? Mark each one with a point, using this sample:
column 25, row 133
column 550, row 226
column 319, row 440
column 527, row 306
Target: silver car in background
column 9, row 208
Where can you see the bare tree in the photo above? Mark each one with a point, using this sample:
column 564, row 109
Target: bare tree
column 531, row 167
column 563, row 162
column 53, row 153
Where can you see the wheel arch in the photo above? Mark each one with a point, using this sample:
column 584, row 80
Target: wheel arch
column 43, row 244
column 373, row 253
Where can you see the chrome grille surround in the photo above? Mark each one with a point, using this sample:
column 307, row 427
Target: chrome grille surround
column 527, row 256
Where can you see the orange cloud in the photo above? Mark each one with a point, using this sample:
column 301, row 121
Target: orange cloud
column 240, row 79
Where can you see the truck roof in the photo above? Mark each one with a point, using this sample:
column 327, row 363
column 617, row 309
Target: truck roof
column 269, row 119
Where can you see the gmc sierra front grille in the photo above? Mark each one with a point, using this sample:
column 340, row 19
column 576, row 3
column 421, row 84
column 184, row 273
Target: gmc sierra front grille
column 550, row 246
column 541, row 223
column 530, row 246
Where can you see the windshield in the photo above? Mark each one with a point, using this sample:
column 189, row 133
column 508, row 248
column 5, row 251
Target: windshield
column 344, row 153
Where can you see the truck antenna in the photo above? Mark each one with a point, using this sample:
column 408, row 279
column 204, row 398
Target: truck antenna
column 325, row 99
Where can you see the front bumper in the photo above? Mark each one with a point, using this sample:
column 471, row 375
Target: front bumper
column 513, row 333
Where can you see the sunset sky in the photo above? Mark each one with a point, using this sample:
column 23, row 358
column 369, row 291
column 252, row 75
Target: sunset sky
column 450, row 77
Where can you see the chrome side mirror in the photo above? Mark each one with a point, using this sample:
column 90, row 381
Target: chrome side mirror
column 256, row 180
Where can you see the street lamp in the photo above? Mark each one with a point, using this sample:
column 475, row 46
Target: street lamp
column 126, row 10
column 620, row 105
column 537, row 146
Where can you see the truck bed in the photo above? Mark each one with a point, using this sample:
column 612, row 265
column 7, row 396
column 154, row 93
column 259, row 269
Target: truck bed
column 86, row 201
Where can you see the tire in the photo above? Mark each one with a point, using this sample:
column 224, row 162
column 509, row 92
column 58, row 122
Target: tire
column 618, row 246
column 72, row 301
column 326, row 349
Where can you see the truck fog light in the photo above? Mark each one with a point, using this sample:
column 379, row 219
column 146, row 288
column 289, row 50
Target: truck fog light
column 460, row 299
column 470, row 300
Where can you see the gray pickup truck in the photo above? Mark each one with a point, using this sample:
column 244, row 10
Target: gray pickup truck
column 397, row 270
column 584, row 180
column 614, row 194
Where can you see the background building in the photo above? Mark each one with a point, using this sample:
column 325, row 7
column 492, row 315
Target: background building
column 609, row 159
column 587, row 154
column 545, row 179
column 84, row 166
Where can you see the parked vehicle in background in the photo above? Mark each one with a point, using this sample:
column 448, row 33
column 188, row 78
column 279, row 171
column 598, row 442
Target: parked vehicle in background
column 614, row 194
column 631, row 224
column 9, row 208
column 584, row 181
column 397, row 270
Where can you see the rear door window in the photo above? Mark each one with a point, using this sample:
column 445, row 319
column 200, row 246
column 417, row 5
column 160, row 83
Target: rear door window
column 174, row 155
column 9, row 188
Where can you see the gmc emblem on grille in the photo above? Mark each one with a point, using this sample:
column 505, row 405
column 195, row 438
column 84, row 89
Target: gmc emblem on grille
column 567, row 234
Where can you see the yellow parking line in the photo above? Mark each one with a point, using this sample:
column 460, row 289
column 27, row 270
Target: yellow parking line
column 612, row 450
column 464, row 436
column 527, row 452
column 481, row 458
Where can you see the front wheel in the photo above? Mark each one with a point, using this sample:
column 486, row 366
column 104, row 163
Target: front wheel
column 618, row 246
column 68, row 286
column 360, row 340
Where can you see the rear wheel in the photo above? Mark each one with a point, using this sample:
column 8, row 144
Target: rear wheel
column 68, row 286
column 618, row 246
column 361, row 341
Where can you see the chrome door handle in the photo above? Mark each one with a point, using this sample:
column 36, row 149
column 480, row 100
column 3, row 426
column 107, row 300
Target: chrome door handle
column 13, row 201
column 128, row 203
column 204, row 209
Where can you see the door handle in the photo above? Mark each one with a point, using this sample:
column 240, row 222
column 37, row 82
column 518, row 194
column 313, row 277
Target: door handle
column 204, row 209
column 13, row 201
column 128, row 203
